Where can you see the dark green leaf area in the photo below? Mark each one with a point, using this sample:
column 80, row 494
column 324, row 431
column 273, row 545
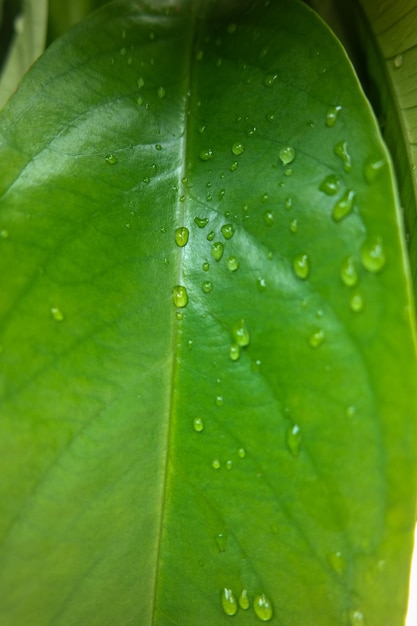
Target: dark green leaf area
column 207, row 361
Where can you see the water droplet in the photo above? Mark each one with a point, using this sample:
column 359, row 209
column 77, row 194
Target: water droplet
column 241, row 453
column 57, row 314
column 341, row 150
column 350, row 411
column 207, row 286
column 288, row 203
column 180, row 296
column 268, row 218
column 357, row 303
column 140, row 82
column 233, row 167
column 270, row 79
column 217, row 250
column 232, row 263
column 4, row 234
column 229, row 603
column 158, row 147
column 216, row 464
column 206, row 155
column 181, row 236
column 201, row 221
column 373, row 255
column 348, row 272
column 263, row 608
column 344, row 206
column 293, row 226
column 227, row 231
column 111, row 159
column 206, row 266
column 211, row 235
column 287, row 155
column 219, row 401
column 288, row 172
column 241, row 333
column 301, row 265
column 372, row 169
column 234, row 352
column 356, row 618
column 330, row 185
column 238, row 148
column 221, row 542
column 332, row 115
column 229, row 465
column 317, row 338
column 198, row 424
column 398, row 61
column 294, row 439
column 244, row 601
column 270, row 116
column 338, row 562
column 261, row 284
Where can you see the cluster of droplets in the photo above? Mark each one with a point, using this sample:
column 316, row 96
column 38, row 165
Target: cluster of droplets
column 261, row 604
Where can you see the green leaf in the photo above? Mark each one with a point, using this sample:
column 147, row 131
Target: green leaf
column 62, row 16
column 27, row 45
column 259, row 438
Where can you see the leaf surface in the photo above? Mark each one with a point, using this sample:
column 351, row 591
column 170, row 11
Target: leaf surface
column 158, row 460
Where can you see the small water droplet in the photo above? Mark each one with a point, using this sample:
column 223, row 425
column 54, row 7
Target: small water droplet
column 288, row 203
column 357, row 303
column 268, row 218
column 356, row 618
column 111, row 159
column 234, row 352
column 344, row 206
column 287, row 155
column 217, row 250
column 293, row 439
column 232, row 263
column 332, row 115
column 270, row 79
column 241, row 453
column 181, row 236
column 270, row 116
column 261, row 284
column 348, row 272
column 301, row 265
column 316, row 339
column 373, row 255
column 4, row 233
column 244, row 601
column 229, row 603
column 293, row 226
column 221, row 542
column 229, row 465
column 207, row 286
column 57, row 314
column 338, row 562
column 372, row 169
column 350, row 411
column 206, row 266
column 227, row 231
column 398, row 61
column 180, row 296
column 201, row 221
column 198, row 424
column 211, row 235
column 330, row 185
column 140, row 82
column 219, row 401
column 238, row 148
column 263, row 608
column 216, row 464
column 241, row 333
column 206, row 155
column 341, row 150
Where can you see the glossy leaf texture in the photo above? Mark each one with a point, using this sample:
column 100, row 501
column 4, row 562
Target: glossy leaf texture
column 208, row 358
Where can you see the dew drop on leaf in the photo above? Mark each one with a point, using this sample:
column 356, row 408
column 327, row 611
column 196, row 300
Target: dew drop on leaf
column 180, row 296
column 241, row 453
column 207, row 286
column 206, row 155
column 221, row 542
column 261, row 283
column 198, row 424
column 238, row 148
column 301, row 266
column 293, row 439
column 268, row 218
column 227, row 231
column 216, row 464
column 316, row 339
column 330, row 185
column 344, row 206
column 201, row 221
column 338, row 562
column 206, row 266
column 294, row 226
column 57, row 314
column 270, row 79
column 217, row 250
column 398, row 61
column 332, row 115
column 232, row 263
column 356, row 618
column 211, row 235
column 356, row 303
column 373, row 255
column 372, row 168
column 263, row 608
column 229, row 464
column 244, row 602
column 229, row 602
column 111, row 159
column 348, row 272
column 181, row 236
column 341, row 150
column 241, row 333
column 287, row 155
column 234, row 352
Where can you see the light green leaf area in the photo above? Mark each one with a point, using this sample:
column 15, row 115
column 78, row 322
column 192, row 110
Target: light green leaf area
column 208, row 364
column 27, row 45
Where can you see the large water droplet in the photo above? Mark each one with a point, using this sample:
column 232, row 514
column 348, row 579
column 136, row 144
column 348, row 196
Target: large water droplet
column 211, row 235
column 263, row 608
column 198, row 424
column 241, row 333
column 227, row 231
column 238, row 148
column 341, row 150
column 232, row 263
column 216, row 464
column 180, row 296
column 344, row 206
column 330, row 185
column 57, row 314
column 244, row 601
column 287, row 155
column 373, row 255
column 217, row 250
column 201, row 221
column 181, row 236
column 338, row 562
column 293, row 439
column 332, row 115
column 301, row 265
column 348, row 272
column 229, row 602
